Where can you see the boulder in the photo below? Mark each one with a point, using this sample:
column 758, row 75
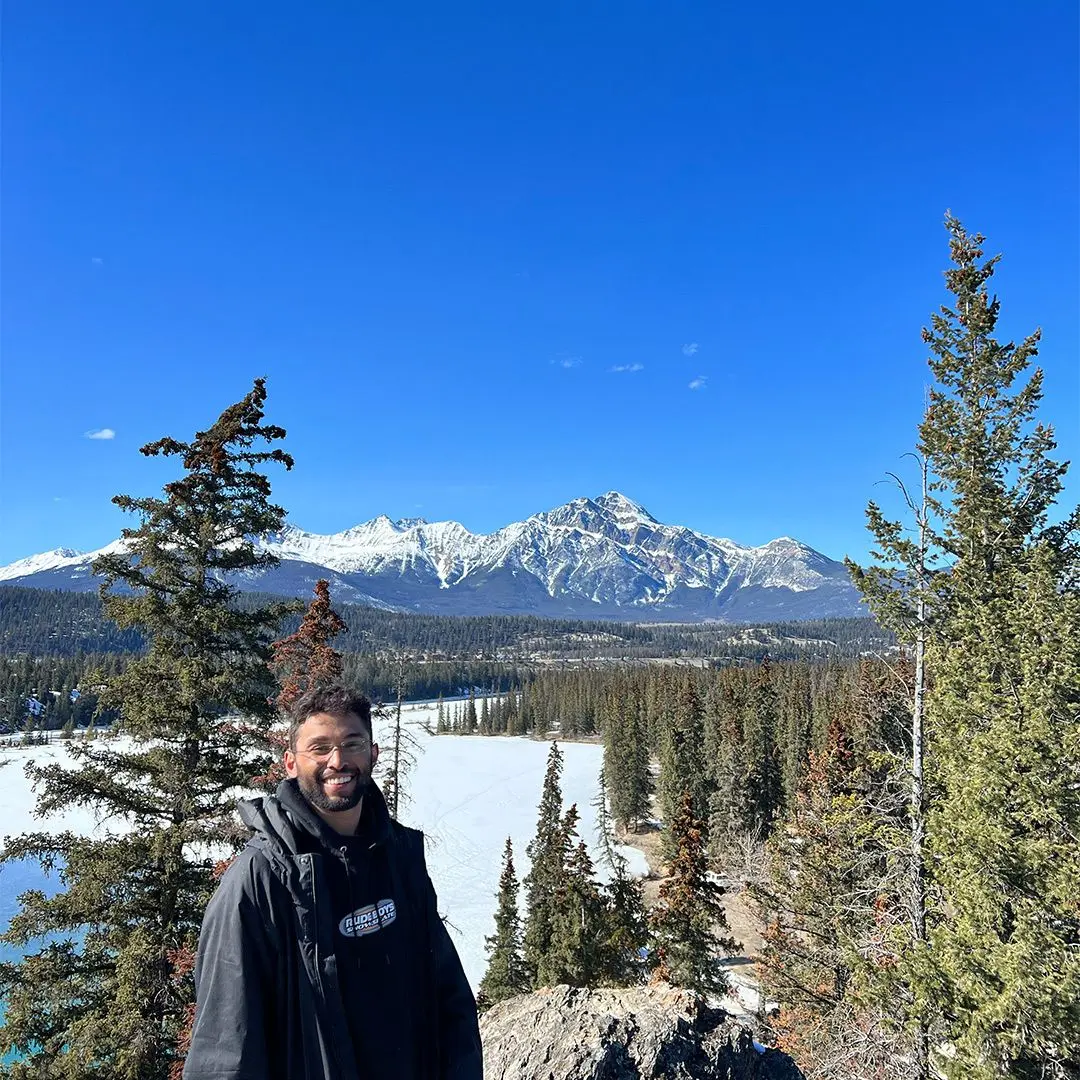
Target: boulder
column 642, row 1033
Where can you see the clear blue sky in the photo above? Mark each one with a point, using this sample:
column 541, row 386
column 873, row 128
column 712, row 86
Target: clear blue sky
column 494, row 256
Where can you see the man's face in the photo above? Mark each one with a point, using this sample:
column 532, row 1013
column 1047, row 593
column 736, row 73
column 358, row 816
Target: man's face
column 332, row 761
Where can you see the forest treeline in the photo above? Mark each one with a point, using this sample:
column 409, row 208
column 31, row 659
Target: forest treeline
column 721, row 760
column 53, row 642
column 53, row 622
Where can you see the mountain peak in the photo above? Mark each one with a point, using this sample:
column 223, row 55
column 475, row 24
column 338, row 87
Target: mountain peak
column 615, row 502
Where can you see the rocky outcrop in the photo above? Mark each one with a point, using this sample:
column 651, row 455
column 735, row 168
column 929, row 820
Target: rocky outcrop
column 642, row 1033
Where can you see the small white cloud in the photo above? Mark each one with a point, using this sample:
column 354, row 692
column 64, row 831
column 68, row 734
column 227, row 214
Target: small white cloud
column 97, row 260
column 564, row 360
column 101, row 433
column 690, row 349
column 628, row 367
column 699, row 382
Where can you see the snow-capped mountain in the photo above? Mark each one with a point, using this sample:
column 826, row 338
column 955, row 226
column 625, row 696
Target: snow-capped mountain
column 600, row 558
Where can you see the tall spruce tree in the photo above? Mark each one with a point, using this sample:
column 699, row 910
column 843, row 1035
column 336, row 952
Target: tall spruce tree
column 306, row 658
column 999, row 974
column 546, row 853
column 506, row 974
column 626, row 759
column 104, row 987
column 625, row 935
column 682, row 761
column 1005, row 702
column 300, row 661
column 689, row 924
column 764, row 779
column 575, row 953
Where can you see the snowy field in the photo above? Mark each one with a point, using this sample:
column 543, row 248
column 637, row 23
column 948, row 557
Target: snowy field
column 467, row 794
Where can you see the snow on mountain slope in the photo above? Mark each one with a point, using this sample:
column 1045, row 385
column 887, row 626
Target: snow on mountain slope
column 62, row 559
column 604, row 557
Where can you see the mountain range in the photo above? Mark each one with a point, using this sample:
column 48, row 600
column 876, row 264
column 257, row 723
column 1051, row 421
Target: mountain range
column 606, row 558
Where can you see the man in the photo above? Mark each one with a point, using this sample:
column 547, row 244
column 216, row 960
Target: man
column 322, row 955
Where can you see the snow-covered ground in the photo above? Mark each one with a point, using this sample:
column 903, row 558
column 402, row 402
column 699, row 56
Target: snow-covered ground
column 467, row 794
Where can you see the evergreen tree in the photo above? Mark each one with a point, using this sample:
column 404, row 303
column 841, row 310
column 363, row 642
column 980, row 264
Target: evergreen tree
column 546, row 853
column 764, row 784
column 688, row 923
column 574, row 956
column 626, row 759
column 305, row 658
column 1006, row 690
column 109, row 991
column 625, row 934
column 506, row 974
column 730, row 810
column 682, row 762
column 300, row 661
column 400, row 749
column 832, row 890
column 999, row 972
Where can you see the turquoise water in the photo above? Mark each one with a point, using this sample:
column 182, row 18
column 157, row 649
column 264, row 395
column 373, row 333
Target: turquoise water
column 15, row 879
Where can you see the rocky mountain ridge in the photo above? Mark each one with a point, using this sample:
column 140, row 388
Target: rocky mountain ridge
column 606, row 557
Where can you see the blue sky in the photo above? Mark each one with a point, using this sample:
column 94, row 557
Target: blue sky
column 491, row 257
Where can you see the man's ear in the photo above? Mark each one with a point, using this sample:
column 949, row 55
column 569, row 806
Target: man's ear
column 288, row 759
column 374, row 754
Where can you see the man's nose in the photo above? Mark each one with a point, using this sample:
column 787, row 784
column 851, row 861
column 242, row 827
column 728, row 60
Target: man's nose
column 337, row 755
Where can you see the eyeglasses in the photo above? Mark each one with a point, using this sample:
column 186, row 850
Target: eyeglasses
column 350, row 748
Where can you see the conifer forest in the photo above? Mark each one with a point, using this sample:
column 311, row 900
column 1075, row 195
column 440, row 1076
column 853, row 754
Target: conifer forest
column 897, row 796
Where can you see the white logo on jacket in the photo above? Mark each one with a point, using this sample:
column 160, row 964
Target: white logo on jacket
column 367, row 920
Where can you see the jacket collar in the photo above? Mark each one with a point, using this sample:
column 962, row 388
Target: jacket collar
column 281, row 816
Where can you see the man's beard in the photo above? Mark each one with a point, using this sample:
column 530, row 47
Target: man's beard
column 313, row 790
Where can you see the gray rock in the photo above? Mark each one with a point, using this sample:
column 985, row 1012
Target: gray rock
column 642, row 1033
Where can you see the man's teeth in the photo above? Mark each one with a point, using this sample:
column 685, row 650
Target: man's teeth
column 337, row 780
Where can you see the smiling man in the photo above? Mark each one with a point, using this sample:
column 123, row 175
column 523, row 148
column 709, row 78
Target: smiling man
column 322, row 954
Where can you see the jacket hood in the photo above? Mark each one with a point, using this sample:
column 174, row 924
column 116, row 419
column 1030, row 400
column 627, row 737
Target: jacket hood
column 279, row 819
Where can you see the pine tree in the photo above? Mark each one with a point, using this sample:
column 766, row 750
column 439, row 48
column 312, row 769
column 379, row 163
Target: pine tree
column 1004, row 833
column 574, row 956
column 546, row 852
column 506, row 974
column 400, row 749
column 1000, row 973
column 682, row 762
column 626, row 760
column 731, row 821
column 625, row 935
column 764, row 783
column 110, row 990
column 300, row 661
column 829, row 901
column 688, row 923
column 306, row 658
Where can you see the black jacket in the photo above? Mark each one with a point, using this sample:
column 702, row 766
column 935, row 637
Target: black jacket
column 269, row 1001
